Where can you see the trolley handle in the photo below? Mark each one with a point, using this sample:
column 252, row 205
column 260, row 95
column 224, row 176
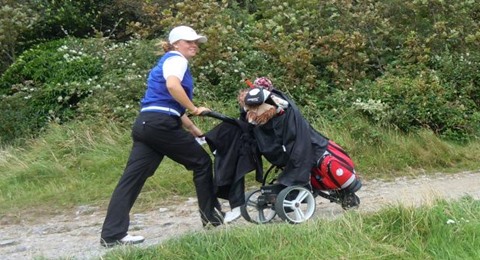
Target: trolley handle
column 219, row 116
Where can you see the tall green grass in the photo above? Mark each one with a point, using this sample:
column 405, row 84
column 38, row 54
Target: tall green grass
column 81, row 162
column 78, row 163
column 445, row 230
column 385, row 152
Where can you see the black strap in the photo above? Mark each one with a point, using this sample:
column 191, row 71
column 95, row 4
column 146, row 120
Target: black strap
column 329, row 171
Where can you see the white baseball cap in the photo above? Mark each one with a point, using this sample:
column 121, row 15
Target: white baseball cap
column 185, row 33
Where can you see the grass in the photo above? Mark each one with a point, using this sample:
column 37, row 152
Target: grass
column 444, row 230
column 77, row 164
column 80, row 162
column 382, row 152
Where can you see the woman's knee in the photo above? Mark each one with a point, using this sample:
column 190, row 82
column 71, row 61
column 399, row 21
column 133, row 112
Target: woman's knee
column 204, row 163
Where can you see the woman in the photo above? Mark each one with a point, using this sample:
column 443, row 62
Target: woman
column 159, row 131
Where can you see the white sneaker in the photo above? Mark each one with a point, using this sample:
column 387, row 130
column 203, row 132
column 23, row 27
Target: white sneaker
column 232, row 215
column 129, row 240
column 126, row 240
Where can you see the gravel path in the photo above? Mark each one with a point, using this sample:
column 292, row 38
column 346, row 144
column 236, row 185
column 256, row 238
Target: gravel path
column 75, row 235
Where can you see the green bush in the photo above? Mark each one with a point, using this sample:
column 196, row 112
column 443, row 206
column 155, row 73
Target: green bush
column 334, row 58
column 19, row 119
column 53, row 77
column 460, row 72
column 421, row 102
column 64, row 18
column 51, row 63
column 116, row 95
column 15, row 20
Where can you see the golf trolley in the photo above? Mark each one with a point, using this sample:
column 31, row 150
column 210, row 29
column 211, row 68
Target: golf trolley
column 293, row 204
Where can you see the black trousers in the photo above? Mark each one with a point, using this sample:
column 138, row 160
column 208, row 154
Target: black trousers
column 156, row 135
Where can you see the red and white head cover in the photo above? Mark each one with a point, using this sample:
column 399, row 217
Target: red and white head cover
column 263, row 82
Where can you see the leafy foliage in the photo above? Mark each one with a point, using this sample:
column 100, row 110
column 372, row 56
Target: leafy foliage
column 45, row 84
column 400, row 63
column 420, row 102
column 116, row 95
column 14, row 21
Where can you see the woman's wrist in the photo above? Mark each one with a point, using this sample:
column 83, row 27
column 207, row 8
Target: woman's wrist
column 194, row 111
column 196, row 131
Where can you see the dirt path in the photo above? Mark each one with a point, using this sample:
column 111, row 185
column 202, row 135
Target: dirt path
column 76, row 234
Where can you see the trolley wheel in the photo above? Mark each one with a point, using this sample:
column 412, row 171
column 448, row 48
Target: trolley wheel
column 295, row 204
column 350, row 201
column 256, row 209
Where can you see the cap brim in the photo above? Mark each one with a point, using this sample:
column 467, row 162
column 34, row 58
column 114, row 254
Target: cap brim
column 198, row 38
column 201, row 39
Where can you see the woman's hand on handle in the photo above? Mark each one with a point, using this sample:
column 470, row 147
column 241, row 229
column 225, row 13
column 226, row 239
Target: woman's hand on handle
column 199, row 110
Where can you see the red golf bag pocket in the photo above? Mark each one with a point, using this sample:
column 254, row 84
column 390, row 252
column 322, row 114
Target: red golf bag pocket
column 335, row 171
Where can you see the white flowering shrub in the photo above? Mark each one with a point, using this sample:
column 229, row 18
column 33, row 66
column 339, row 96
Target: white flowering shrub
column 378, row 110
column 46, row 83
